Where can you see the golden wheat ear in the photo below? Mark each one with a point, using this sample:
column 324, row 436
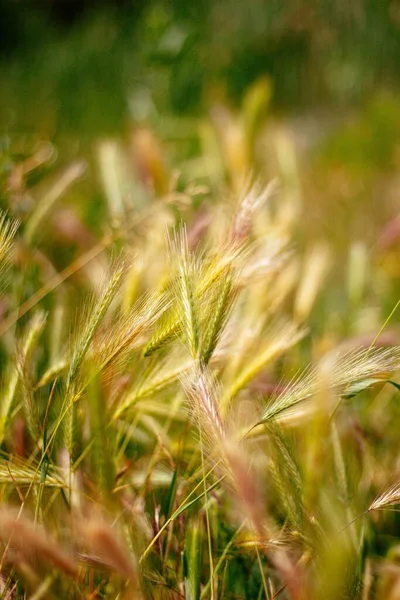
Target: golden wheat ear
column 202, row 287
column 185, row 289
column 25, row 348
column 8, row 229
column 91, row 320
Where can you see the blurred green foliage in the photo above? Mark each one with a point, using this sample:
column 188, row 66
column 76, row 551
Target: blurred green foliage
column 83, row 68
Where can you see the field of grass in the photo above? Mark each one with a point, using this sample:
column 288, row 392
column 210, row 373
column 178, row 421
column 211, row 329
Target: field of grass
column 198, row 378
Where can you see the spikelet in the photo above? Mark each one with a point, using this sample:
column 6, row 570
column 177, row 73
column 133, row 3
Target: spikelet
column 286, row 475
column 350, row 372
column 201, row 393
column 112, row 348
column 211, row 271
column 196, row 276
column 25, row 349
column 52, row 373
column 186, row 293
column 202, row 396
column 282, row 337
column 22, row 473
column 8, row 229
column 172, row 370
column 223, row 446
column 217, row 316
column 94, row 316
column 252, row 201
column 390, row 497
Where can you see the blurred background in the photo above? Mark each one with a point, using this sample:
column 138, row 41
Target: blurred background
column 209, row 91
column 73, row 67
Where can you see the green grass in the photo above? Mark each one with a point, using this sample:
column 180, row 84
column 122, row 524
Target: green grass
column 190, row 407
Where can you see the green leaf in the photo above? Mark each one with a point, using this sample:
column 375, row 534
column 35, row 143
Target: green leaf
column 170, row 497
column 192, row 559
column 394, row 384
column 359, row 386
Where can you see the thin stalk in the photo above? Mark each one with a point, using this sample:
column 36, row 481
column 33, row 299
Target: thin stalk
column 210, row 556
column 262, row 572
column 220, row 562
column 384, row 325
